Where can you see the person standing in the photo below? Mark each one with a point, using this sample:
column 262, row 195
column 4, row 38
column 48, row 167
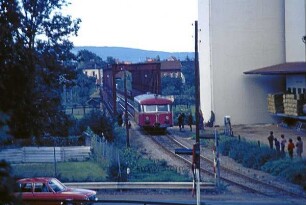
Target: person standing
column 190, row 121
column 183, row 120
column 277, row 145
column 283, row 143
column 290, row 148
column 180, row 121
column 271, row 139
column 299, row 146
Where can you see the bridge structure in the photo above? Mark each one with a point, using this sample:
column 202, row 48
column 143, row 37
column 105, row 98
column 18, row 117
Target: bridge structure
column 129, row 80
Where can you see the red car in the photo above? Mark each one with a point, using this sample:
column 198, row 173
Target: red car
column 46, row 190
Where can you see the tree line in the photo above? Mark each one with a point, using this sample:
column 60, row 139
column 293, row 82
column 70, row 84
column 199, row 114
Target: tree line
column 36, row 65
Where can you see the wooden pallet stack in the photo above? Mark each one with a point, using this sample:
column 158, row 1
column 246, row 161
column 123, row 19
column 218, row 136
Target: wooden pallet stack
column 293, row 104
column 275, row 103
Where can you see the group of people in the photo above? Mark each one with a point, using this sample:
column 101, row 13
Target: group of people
column 181, row 121
column 281, row 145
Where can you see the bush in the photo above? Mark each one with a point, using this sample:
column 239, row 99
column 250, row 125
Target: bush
column 225, row 146
column 144, row 169
column 249, row 154
column 292, row 170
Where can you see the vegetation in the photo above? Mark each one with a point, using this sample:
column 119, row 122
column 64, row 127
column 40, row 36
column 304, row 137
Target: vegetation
column 292, row 170
column 143, row 169
column 251, row 155
column 119, row 158
column 34, row 47
column 183, row 88
column 65, row 171
column 7, row 185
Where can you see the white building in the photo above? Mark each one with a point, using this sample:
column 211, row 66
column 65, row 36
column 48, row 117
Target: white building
column 236, row 36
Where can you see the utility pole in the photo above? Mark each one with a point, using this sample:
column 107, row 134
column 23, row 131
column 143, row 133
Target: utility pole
column 197, row 110
column 197, row 84
column 195, row 151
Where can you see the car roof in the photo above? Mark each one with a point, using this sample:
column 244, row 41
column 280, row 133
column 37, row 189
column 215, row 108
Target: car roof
column 36, row 179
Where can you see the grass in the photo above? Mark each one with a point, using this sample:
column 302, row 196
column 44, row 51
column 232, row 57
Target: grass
column 147, row 170
column 65, row 171
column 251, row 155
column 292, row 170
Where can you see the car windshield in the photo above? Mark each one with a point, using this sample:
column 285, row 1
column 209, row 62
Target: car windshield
column 56, row 185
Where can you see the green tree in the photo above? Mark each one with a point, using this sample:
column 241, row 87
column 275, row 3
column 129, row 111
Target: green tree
column 33, row 47
column 98, row 123
column 88, row 59
column 171, row 84
column 110, row 60
column 85, row 87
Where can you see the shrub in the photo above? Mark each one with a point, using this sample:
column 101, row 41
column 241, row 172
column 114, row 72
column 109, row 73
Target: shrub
column 144, row 169
column 292, row 170
column 225, row 146
column 247, row 153
column 264, row 158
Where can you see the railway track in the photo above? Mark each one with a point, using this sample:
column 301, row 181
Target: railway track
column 229, row 176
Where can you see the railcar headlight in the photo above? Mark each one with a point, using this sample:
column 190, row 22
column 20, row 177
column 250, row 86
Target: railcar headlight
column 167, row 117
column 147, row 118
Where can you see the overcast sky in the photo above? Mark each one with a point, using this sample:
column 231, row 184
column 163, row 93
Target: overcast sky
column 160, row 25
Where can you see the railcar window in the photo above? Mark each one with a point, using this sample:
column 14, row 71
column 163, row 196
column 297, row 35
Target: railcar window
column 162, row 108
column 150, row 108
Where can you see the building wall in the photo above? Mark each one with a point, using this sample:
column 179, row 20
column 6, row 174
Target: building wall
column 296, row 83
column 237, row 36
column 295, row 30
column 94, row 72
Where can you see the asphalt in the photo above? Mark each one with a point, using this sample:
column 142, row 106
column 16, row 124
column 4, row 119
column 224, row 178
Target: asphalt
column 182, row 197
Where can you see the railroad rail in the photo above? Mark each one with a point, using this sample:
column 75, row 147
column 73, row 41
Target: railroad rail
column 230, row 176
column 121, row 101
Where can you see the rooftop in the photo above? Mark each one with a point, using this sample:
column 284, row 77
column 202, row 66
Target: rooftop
column 281, row 69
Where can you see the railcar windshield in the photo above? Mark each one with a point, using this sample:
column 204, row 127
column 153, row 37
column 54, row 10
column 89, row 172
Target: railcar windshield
column 156, row 108
column 150, row 108
column 162, row 108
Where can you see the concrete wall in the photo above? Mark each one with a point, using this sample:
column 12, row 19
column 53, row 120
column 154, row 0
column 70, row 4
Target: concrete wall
column 295, row 30
column 204, row 58
column 237, row 36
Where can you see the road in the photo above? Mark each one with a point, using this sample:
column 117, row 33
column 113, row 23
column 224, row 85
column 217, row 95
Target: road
column 185, row 196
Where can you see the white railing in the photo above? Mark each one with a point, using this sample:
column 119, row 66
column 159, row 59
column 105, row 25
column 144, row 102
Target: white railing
column 45, row 154
column 138, row 185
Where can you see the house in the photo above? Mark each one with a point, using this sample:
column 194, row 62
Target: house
column 91, row 69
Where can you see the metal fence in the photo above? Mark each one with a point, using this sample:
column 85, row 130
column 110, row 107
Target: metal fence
column 46, row 154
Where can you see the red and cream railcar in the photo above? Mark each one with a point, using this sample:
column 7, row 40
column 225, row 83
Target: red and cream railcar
column 153, row 111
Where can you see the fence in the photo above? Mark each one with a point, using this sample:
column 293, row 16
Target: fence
column 45, row 154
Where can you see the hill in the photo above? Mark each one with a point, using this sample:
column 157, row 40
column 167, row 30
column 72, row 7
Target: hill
column 131, row 54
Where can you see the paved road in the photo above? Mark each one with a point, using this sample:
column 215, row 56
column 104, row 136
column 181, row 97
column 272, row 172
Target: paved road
column 181, row 197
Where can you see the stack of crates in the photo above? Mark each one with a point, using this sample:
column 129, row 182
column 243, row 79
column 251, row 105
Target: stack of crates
column 293, row 104
column 275, row 103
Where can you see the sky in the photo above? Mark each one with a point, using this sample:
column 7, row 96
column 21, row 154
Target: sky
column 159, row 25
